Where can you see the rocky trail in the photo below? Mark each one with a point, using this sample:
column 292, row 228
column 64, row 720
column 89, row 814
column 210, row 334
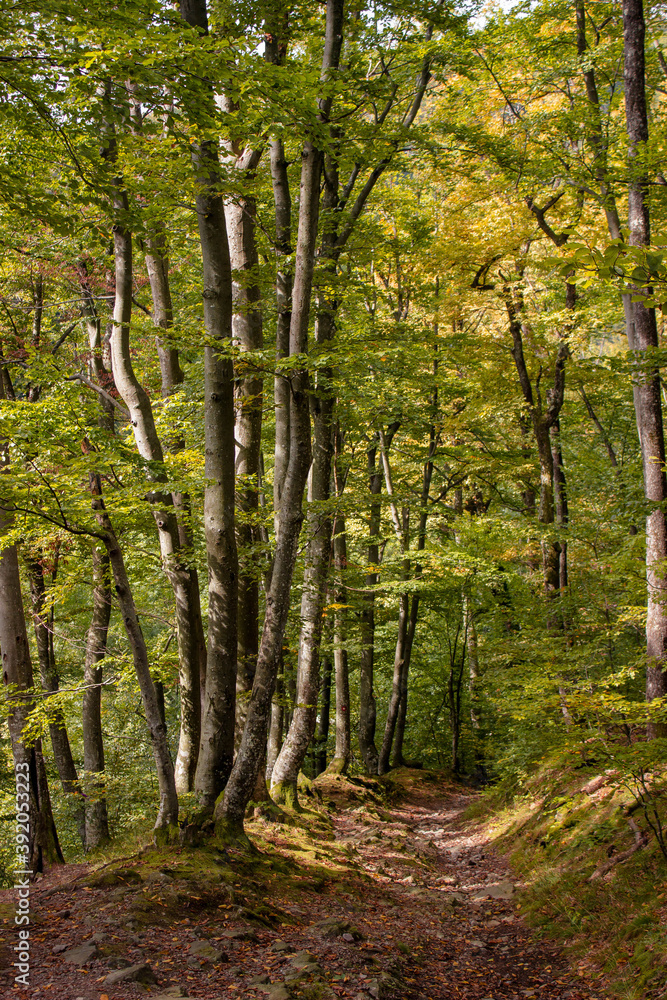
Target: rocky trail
column 375, row 898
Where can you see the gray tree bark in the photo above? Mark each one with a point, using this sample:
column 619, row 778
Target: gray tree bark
column 543, row 419
column 43, row 622
column 324, row 717
column 166, row 822
column 43, row 847
column 250, row 753
column 401, row 524
column 97, row 821
column 240, row 217
column 343, row 750
column 318, row 556
column 275, row 739
column 646, row 340
column 367, row 704
column 216, row 753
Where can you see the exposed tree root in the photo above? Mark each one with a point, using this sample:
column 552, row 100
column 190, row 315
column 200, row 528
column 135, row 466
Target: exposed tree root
column 641, row 841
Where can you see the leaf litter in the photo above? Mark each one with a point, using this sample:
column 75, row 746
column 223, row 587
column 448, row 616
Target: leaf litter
column 381, row 892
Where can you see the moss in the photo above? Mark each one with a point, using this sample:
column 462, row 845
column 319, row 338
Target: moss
column 338, row 765
column 114, row 877
column 284, row 793
column 557, row 836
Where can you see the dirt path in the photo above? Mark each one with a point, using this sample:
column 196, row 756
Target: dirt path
column 457, row 911
column 406, row 903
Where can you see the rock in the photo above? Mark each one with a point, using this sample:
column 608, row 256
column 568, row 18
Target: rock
column 352, row 937
column 383, row 986
column 332, row 928
column 202, row 949
column 117, row 962
column 82, row 955
column 170, row 993
column 58, row 949
column 498, row 890
column 281, row 946
column 313, row 969
column 241, row 936
column 133, row 974
column 279, row 992
column 258, row 980
column 302, row 959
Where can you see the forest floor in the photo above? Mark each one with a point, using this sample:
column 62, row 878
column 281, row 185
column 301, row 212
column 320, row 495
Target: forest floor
column 385, row 892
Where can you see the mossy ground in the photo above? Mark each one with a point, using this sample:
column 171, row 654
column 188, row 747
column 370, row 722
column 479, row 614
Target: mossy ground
column 557, row 835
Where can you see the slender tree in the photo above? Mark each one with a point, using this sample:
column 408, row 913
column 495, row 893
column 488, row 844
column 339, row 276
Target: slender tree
column 646, row 341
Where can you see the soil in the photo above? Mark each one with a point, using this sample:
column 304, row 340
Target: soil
column 384, row 891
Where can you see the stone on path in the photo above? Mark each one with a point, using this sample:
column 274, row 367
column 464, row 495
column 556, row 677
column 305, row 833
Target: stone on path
column 332, row 928
column 82, row 955
column 497, row 890
column 303, row 959
column 202, row 949
column 133, row 974
column 241, row 936
column 281, row 946
column 277, row 992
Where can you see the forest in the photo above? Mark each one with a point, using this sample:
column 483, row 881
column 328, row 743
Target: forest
column 332, row 463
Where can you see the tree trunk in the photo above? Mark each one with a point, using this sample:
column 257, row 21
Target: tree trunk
column 646, row 340
column 157, row 265
column 275, row 740
column 97, row 822
column 560, row 503
column 62, row 751
column 318, row 557
column 427, row 475
column 395, row 698
column 323, row 723
column 216, row 753
column 42, row 847
column 402, row 532
column 166, row 822
column 247, row 333
column 185, row 578
column 542, row 421
column 343, row 751
column 473, row 666
column 397, row 754
column 281, row 388
column 367, row 706
column 250, row 754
